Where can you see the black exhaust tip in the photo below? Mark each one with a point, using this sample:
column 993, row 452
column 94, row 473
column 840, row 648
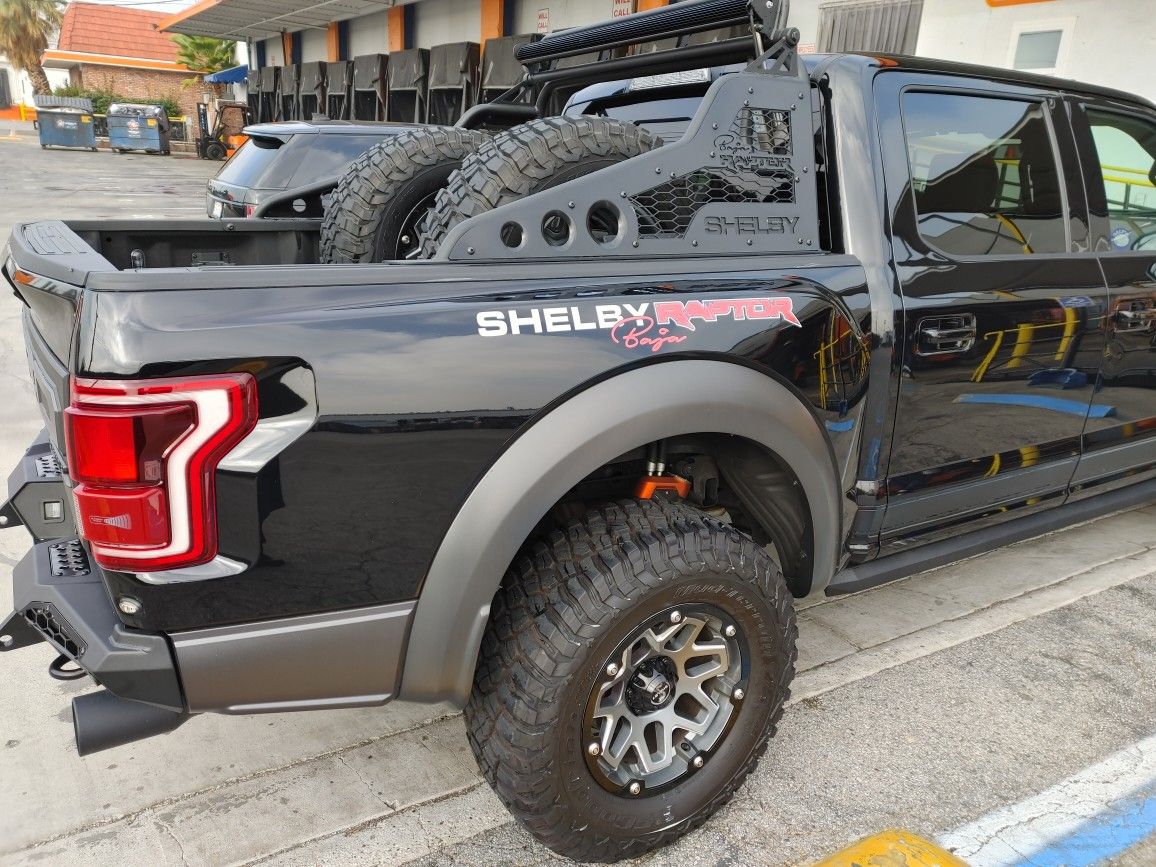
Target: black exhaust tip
column 102, row 720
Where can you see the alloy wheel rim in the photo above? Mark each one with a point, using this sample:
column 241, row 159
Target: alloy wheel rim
column 665, row 700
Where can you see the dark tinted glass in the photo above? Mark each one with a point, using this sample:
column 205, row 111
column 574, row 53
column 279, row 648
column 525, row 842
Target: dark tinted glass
column 261, row 163
column 329, row 154
column 1126, row 150
column 984, row 175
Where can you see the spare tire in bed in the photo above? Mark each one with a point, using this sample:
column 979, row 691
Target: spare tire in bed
column 383, row 196
column 527, row 159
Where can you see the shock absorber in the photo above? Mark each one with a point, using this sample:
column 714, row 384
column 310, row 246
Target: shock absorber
column 656, row 479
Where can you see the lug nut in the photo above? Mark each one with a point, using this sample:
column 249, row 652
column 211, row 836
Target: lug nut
column 635, row 787
column 738, row 694
column 594, row 750
column 612, row 669
column 128, row 605
column 697, row 761
column 676, row 617
column 729, row 632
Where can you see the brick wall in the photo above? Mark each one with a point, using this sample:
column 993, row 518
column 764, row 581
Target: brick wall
column 142, row 85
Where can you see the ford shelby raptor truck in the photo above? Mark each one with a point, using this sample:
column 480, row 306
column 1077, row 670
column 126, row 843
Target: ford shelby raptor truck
column 569, row 463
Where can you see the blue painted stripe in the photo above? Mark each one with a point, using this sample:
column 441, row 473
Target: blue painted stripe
column 1122, row 826
column 1041, row 401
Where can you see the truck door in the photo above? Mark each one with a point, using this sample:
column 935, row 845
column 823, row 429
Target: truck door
column 1002, row 300
column 1117, row 147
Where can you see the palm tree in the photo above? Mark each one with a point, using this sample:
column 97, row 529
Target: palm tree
column 25, row 26
column 205, row 53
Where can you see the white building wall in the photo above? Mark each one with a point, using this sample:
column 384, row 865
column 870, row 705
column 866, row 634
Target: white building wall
column 274, row 51
column 369, row 34
column 1110, row 44
column 314, row 45
column 441, row 21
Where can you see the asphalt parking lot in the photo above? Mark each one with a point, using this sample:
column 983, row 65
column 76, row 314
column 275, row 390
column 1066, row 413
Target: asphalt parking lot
column 1004, row 707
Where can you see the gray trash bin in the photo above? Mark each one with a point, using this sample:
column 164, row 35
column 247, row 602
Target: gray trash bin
column 134, row 127
column 65, row 122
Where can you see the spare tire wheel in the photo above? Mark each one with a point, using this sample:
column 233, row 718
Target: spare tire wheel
column 381, row 199
column 527, row 159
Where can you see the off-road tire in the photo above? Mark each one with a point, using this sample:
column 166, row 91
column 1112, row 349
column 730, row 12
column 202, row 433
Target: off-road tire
column 563, row 606
column 527, row 159
column 379, row 192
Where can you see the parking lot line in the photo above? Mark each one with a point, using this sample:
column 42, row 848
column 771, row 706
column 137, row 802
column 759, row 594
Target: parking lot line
column 1087, row 818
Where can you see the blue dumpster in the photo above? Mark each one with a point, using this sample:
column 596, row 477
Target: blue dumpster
column 138, row 128
column 65, row 122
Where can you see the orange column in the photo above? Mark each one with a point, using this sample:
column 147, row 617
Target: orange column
column 493, row 19
column 644, row 5
column 287, row 46
column 396, row 23
column 332, row 42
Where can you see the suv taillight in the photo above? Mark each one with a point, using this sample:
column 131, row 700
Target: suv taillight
column 144, row 455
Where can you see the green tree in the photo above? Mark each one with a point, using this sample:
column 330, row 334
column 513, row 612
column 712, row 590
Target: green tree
column 204, row 53
column 25, row 27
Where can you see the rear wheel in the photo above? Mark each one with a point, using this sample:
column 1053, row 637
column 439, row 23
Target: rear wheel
column 214, row 150
column 633, row 671
column 385, row 193
column 527, row 159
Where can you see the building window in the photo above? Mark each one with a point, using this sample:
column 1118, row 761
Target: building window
column 1038, row 49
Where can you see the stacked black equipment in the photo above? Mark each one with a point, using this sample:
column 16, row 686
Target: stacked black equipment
column 289, row 97
column 408, row 75
column 312, row 95
column 268, row 108
column 453, row 81
column 500, row 68
column 339, row 75
column 253, row 90
column 370, row 87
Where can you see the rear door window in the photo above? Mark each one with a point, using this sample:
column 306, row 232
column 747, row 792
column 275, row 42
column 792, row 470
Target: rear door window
column 1126, row 156
column 984, row 175
column 330, row 154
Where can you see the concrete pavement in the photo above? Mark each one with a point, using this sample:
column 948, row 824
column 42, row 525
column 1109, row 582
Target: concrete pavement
column 925, row 704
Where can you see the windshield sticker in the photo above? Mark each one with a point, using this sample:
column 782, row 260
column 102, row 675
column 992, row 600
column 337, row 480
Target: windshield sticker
column 1121, row 238
column 646, row 325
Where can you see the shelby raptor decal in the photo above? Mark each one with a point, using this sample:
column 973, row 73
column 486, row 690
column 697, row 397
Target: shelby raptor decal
column 634, row 325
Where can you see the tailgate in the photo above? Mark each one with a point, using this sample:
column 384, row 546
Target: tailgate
column 46, row 265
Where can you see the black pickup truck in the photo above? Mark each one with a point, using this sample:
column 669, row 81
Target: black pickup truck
column 868, row 316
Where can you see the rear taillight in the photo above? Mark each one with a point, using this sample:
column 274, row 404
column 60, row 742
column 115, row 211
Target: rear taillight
column 144, row 455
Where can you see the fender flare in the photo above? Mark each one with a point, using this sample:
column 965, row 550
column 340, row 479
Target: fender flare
column 568, row 443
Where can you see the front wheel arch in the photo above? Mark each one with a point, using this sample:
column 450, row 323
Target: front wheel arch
column 559, row 449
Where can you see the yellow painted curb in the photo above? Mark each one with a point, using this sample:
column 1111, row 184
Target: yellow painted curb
column 892, row 848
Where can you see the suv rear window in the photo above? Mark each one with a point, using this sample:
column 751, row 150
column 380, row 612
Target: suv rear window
column 267, row 163
column 256, row 164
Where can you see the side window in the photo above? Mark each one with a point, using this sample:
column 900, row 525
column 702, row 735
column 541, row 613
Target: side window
column 1126, row 153
column 983, row 175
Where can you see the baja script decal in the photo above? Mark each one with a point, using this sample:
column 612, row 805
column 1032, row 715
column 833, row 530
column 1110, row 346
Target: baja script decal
column 646, row 325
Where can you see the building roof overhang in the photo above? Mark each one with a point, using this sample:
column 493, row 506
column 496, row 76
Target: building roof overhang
column 54, row 58
column 259, row 19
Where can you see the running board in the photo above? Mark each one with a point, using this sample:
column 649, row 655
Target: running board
column 925, row 557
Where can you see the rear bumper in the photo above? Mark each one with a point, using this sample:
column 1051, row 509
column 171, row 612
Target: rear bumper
column 60, row 597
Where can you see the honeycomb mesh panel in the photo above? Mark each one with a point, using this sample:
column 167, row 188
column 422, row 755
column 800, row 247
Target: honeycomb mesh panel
column 68, row 559
column 753, row 167
column 44, row 618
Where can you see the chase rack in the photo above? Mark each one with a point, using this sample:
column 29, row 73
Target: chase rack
column 741, row 179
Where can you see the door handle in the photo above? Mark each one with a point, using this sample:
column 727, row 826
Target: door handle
column 945, row 335
column 1135, row 320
